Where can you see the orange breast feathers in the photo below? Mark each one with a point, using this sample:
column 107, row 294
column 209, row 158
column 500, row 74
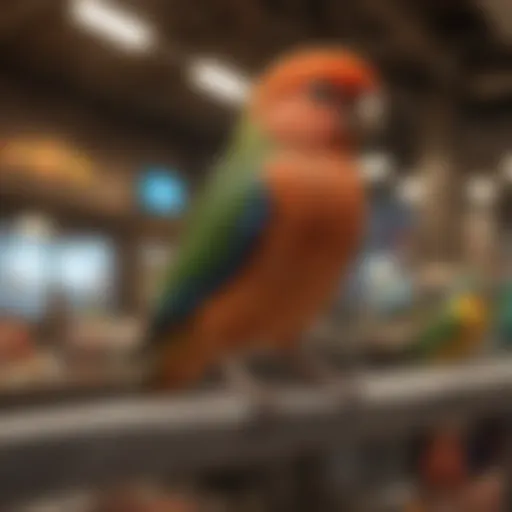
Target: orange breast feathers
column 317, row 224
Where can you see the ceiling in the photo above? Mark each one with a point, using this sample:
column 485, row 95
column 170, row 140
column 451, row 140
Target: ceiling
column 462, row 45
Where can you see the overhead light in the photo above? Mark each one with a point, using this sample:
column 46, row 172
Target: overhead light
column 219, row 80
column 411, row 190
column 376, row 167
column 105, row 19
column 481, row 190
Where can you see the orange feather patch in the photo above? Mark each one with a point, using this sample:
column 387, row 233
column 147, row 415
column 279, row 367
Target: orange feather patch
column 293, row 71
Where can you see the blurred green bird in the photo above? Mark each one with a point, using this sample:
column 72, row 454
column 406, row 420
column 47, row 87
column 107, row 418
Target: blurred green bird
column 457, row 329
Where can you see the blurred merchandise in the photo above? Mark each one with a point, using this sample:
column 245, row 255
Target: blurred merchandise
column 457, row 327
column 481, row 494
column 100, row 349
column 124, row 498
column 16, row 341
column 144, row 499
column 22, row 363
column 47, row 159
column 390, row 289
column 39, row 372
column 444, row 464
column 456, row 471
column 382, row 291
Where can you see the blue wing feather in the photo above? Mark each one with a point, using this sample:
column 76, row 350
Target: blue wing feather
column 192, row 293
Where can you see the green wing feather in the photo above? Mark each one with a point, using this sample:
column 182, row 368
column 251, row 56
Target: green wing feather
column 436, row 335
column 209, row 230
column 218, row 204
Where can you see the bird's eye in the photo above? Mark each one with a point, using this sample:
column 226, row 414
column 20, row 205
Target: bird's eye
column 324, row 92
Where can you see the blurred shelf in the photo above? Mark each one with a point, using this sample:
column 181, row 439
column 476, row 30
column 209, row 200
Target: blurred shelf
column 23, row 388
column 90, row 199
column 97, row 203
column 59, row 447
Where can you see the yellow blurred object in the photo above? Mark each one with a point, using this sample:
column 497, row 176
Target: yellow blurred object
column 472, row 308
column 80, row 170
column 16, row 154
column 46, row 158
column 475, row 315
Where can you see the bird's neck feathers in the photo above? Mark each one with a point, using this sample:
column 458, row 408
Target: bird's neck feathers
column 248, row 144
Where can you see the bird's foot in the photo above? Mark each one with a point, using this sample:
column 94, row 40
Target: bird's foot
column 260, row 395
column 316, row 371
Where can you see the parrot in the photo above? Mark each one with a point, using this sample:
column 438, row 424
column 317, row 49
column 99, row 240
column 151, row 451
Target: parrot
column 277, row 224
column 456, row 331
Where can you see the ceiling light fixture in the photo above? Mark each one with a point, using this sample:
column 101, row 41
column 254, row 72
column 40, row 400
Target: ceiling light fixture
column 219, row 80
column 105, row 19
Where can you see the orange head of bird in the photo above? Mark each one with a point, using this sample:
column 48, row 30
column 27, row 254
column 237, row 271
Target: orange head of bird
column 317, row 98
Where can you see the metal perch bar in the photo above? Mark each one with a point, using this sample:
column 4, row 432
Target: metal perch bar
column 60, row 447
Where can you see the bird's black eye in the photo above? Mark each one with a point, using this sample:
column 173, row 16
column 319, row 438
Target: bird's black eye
column 324, row 92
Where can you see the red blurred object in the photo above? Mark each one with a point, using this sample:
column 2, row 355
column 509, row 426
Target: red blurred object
column 135, row 500
column 444, row 465
column 16, row 342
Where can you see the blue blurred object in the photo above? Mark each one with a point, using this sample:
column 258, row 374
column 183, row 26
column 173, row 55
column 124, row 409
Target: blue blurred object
column 387, row 287
column 30, row 268
column 162, row 192
column 24, row 272
column 389, row 220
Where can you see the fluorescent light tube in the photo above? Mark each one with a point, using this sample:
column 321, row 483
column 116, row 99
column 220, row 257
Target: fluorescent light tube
column 120, row 27
column 219, row 80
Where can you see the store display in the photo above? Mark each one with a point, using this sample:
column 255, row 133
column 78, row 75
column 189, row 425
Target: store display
column 22, row 362
column 310, row 242
column 384, row 278
column 48, row 159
